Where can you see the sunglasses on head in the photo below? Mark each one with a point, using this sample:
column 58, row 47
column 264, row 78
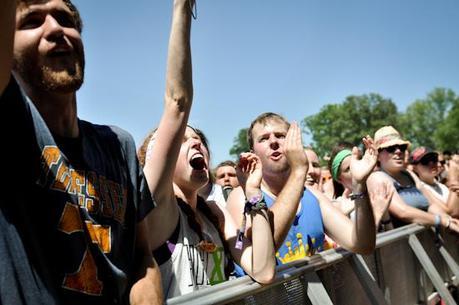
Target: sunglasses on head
column 393, row 148
column 428, row 160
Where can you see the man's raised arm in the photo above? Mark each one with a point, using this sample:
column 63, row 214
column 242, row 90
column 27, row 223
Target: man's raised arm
column 286, row 204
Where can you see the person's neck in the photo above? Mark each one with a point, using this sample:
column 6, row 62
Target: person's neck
column 274, row 183
column 205, row 191
column 429, row 180
column 59, row 110
column 397, row 174
column 188, row 196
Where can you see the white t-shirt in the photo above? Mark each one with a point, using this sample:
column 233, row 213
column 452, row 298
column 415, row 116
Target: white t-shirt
column 216, row 195
column 440, row 190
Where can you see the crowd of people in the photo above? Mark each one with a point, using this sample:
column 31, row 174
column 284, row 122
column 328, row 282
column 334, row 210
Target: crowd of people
column 85, row 218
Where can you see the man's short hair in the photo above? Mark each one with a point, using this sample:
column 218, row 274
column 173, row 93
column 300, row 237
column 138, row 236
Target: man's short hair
column 264, row 118
column 76, row 14
column 226, row 163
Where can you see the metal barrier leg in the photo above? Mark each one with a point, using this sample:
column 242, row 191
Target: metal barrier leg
column 367, row 280
column 316, row 290
column 450, row 262
column 428, row 266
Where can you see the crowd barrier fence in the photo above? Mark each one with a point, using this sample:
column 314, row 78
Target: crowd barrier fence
column 411, row 265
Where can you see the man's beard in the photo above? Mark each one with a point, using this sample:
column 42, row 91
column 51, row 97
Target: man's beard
column 47, row 79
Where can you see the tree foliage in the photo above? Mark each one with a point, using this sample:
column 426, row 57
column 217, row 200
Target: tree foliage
column 432, row 121
column 349, row 121
column 240, row 143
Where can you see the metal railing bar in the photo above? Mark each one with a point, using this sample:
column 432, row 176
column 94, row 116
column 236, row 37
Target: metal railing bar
column 367, row 280
column 429, row 268
column 242, row 287
column 316, row 291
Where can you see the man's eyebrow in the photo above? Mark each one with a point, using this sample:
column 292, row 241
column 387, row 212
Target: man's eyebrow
column 262, row 135
column 26, row 12
column 31, row 10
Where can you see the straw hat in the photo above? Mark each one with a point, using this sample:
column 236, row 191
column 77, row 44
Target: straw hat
column 388, row 136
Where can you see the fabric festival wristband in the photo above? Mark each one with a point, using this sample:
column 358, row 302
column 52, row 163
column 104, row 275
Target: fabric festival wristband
column 255, row 203
column 437, row 221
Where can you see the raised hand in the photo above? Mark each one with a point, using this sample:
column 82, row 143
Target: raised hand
column 380, row 198
column 453, row 171
column 361, row 169
column 454, row 187
column 416, row 179
column 454, row 225
column 294, row 150
column 249, row 173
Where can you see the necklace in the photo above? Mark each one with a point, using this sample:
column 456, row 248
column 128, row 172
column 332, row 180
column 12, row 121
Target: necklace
column 207, row 246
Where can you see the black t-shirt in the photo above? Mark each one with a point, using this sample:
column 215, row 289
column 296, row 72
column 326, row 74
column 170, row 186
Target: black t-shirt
column 78, row 205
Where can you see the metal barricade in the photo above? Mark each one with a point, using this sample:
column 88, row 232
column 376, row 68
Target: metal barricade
column 411, row 265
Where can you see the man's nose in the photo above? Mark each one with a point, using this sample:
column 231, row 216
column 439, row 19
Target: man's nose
column 273, row 142
column 53, row 29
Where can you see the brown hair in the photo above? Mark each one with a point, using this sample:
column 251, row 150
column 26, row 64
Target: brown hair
column 75, row 13
column 202, row 206
column 225, row 163
column 338, row 188
column 142, row 151
column 264, row 118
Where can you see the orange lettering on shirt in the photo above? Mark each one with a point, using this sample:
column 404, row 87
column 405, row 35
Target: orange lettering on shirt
column 119, row 199
column 70, row 221
column 77, row 182
column 85, row 280
column 49, row 157
column 105, row 200
column 100, row 235
column 121, row 209
column 62, row 180
column 92, row 183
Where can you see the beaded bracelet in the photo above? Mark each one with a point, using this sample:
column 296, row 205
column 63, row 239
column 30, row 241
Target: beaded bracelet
column 254, row 204
column 358, row 196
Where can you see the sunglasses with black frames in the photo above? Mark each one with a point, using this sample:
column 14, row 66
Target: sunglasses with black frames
column 429, row 159
column 393, row 148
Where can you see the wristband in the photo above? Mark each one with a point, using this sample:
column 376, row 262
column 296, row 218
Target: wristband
column 358, row 196
column 437, row 222
column 255, row 203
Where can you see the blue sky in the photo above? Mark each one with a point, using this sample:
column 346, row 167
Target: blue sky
column 252, row 56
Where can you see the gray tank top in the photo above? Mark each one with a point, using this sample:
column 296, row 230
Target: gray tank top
column 410, row 194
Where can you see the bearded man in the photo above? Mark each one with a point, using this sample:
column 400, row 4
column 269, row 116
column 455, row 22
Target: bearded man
column 72, row 218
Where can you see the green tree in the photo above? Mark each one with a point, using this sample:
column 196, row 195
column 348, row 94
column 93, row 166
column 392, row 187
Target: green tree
column 447, row 133
column 240, row 143
column 430, row 122
column 349, row 121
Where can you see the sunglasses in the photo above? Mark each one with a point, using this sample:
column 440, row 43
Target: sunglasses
column 393, row 148
column 428, row 160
